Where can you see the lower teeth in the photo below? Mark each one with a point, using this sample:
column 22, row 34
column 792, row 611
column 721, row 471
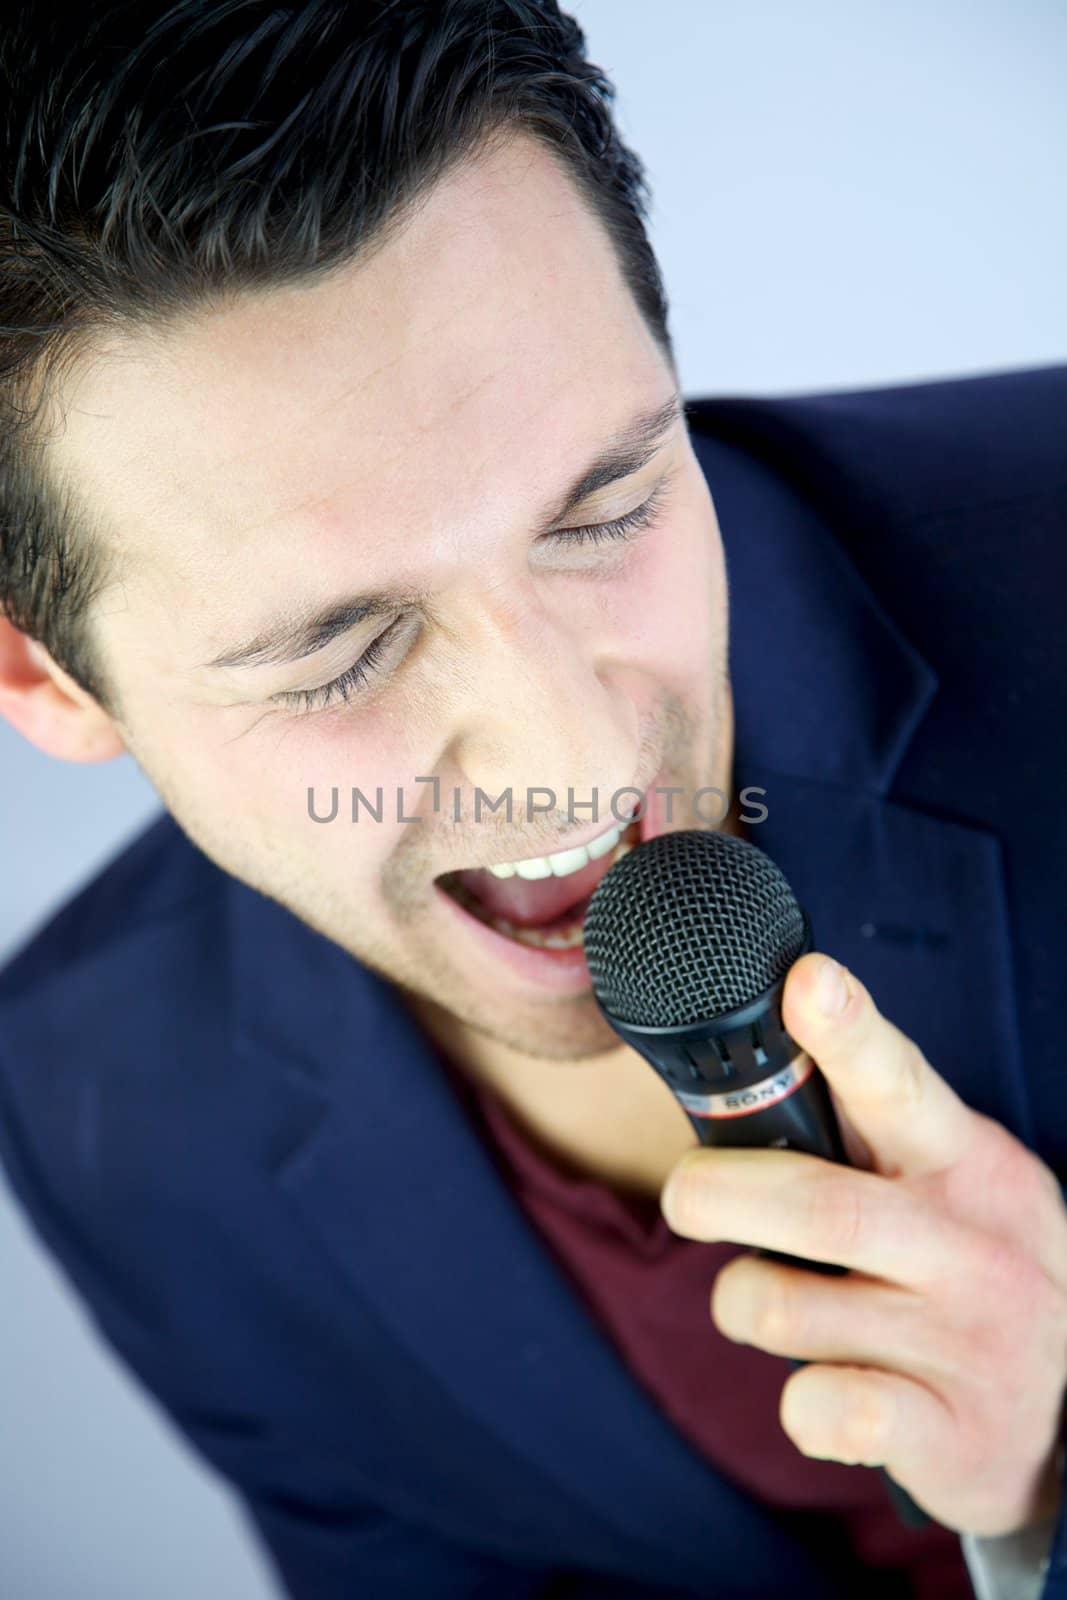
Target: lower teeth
column 569, row 937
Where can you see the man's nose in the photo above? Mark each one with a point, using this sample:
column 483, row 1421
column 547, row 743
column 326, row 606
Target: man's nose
column 542, row 704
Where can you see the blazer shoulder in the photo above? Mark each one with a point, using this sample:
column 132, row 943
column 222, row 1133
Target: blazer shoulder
column 119, row 986
column 949, row 499
column 899, row 453
column 114, row 1068
column 152, row 879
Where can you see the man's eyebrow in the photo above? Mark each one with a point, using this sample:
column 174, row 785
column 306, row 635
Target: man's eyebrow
column 294, row 634
column 630, row 450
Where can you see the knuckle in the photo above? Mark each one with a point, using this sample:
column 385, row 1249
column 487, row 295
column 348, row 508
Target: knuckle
column 974, row 1347
column 687, row 1195
column 1013, row 1305
column 1037, row 1196
column 1014, row 1165
column 911, row 1072
column 775, row 1320
column 838, row 1212
column 867, row 1421
column 1011, row 1279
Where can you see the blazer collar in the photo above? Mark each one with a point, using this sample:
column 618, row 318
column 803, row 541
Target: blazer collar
column 826, row 687
column 828, row 695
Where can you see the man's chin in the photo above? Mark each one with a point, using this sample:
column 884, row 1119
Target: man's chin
column 566, row 1028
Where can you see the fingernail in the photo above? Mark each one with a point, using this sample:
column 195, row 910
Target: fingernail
column 831, row 991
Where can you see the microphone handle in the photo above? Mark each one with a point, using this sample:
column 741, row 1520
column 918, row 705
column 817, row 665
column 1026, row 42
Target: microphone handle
column 804, row 1120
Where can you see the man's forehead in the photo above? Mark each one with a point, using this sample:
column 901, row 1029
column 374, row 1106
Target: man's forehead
column 443, row 367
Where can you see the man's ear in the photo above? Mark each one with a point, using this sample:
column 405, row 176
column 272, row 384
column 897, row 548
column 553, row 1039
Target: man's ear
column 47, row 707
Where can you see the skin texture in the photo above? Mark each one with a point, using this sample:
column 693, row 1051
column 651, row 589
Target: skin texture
column 407, row 421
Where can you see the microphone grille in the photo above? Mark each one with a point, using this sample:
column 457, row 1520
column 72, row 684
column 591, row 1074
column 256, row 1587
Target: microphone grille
column 688, row 926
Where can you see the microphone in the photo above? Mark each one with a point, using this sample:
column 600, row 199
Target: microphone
column 689, row 939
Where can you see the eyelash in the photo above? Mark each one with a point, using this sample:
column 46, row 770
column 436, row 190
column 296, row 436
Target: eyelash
column 344, row 686
column 604, row 532
column 348, row 683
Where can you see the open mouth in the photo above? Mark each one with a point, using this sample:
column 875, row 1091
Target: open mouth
column 546, row 912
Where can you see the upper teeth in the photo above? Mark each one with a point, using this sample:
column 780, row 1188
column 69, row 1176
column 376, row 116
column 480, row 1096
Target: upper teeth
column 564, row 862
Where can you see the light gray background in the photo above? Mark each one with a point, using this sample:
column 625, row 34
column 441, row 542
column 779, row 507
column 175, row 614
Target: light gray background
column 846, row 194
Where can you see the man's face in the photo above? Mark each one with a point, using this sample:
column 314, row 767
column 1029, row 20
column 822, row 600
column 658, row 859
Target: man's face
column 403, row 429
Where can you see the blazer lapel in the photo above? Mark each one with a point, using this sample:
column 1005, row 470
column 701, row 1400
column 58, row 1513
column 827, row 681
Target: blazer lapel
column 388, row 1176
column 827, row 696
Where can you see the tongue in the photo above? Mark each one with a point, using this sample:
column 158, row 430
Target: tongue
column 532, row 902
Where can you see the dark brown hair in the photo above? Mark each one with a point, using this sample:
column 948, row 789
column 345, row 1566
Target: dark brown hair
column 158, row 159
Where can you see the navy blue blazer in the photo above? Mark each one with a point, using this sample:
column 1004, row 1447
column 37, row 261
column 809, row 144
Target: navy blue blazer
column 238, row 1148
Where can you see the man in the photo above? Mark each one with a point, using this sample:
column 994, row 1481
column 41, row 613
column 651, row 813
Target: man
column 344, row 451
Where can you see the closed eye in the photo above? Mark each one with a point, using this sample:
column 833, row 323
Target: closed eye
column 621, row 528
column 344, row 687
column 350, row 682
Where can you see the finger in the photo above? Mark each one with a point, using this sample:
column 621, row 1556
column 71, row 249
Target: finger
column 819, row 1210
column 911, row 1119
column 790, row 1312
column 864, row 1417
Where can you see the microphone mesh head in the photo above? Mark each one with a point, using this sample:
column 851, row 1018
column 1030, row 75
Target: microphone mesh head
column 688, row 926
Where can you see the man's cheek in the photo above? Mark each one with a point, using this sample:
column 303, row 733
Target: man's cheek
column 359, row 809
column 302, row 765
column 674, row 601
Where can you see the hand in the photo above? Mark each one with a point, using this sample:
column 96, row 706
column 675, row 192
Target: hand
column 942, row 1356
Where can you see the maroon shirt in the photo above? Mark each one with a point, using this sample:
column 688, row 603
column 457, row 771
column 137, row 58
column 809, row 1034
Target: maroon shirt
column 650, row 1290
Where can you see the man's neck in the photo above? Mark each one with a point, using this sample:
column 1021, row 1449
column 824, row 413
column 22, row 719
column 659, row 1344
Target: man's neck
column 609, row 1117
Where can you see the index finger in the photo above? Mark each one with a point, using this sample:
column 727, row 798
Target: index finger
column 813, row 1209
